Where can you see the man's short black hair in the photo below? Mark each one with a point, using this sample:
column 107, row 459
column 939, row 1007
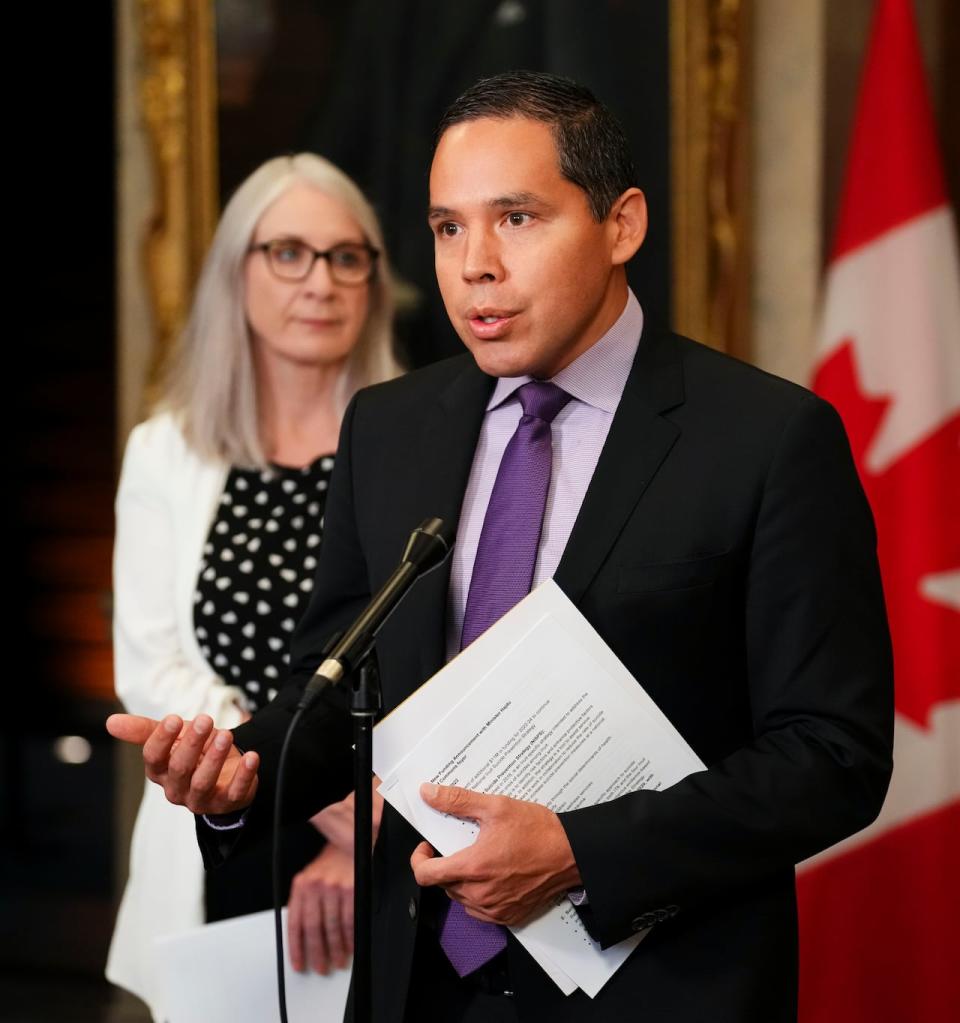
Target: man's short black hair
column 591, row 146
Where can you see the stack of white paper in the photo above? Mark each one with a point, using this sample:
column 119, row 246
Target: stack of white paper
column 540, row 709
column 226, row 972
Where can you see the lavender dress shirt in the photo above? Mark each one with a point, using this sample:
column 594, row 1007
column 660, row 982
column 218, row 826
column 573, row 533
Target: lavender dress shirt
column 595, row 382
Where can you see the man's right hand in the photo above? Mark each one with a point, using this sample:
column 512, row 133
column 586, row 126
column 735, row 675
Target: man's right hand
column 196, row 765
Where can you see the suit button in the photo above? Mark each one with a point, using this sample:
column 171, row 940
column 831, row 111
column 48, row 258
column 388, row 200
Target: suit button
column 642, row 922
column 412, row 908
column 673, row 910
column 661, row 915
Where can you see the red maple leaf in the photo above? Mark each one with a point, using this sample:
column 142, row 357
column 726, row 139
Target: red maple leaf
column 916, row 505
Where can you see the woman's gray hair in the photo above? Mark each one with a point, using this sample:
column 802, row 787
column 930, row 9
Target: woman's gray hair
column 211, row 385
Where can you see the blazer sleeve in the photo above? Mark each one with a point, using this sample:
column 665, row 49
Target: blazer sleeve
column 153, row 674
column 820, row 685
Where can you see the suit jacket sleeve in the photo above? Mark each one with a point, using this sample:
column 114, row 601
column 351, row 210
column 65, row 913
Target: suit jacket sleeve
column 819, row 679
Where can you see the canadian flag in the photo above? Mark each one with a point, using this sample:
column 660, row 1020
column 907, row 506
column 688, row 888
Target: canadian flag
column 880, row 912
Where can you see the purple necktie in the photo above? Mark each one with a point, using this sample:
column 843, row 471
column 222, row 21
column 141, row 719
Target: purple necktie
column 502, row 576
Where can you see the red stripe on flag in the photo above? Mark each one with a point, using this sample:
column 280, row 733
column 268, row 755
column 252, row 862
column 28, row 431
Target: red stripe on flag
column 880, row 927
column 893, row 167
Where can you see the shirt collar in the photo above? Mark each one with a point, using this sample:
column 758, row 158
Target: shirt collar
column 599, row 375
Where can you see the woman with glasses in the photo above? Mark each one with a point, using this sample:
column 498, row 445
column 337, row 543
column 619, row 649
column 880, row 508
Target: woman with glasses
column 219, row 518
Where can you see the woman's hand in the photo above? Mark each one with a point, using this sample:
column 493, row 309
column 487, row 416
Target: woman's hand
column 320, row 912
column 335, row 822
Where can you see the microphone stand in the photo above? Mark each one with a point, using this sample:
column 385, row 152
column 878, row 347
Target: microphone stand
column 365, row 703
column 350, row 659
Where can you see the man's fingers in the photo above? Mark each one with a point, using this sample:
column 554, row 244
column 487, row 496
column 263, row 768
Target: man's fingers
column 429, row 869
column 131, row 727
column 478, row 914
column 209, row 741
column 205, row 776
column 458, row 802
column 188, row 758
column 446, row 872
column 159, row 744
column 243, row 785
column 185, row 756
column 423, row 852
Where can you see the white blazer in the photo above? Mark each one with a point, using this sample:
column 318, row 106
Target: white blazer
column 166, row 501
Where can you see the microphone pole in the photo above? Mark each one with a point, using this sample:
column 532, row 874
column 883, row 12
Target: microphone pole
column 428, row 547
column 364, row 707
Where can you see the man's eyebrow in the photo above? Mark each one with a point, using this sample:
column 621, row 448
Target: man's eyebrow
column 510, row 201
column 439, row 212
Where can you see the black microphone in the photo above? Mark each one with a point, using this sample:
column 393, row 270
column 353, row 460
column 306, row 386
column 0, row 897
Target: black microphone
column 428, row 547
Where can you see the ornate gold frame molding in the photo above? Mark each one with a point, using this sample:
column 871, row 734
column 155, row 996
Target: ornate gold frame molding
column 709, row 63
column 179, row 102
column 710, row 162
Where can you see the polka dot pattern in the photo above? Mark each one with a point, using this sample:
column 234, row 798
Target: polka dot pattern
column 257, row 572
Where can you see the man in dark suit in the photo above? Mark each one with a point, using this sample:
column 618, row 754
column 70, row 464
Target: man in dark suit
column 707, row 520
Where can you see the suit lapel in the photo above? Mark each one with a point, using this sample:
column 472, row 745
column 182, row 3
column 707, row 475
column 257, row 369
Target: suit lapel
column 640, row 438
column 451, row 427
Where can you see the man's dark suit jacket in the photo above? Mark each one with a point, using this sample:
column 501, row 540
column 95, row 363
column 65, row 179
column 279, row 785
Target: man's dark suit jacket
column 725, row 552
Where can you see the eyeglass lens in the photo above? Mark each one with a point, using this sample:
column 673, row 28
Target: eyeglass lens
column 349, row 263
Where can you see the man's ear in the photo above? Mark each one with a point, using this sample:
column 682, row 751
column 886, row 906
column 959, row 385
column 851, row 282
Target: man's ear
column 628, row 223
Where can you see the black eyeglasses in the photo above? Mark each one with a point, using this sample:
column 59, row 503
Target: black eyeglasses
column 351, row 263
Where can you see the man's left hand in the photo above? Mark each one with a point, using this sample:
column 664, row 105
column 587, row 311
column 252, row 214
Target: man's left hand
column 520, row 861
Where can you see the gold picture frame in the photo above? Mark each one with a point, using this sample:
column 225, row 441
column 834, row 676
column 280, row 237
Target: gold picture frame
column 178, row 97
column 710, row 161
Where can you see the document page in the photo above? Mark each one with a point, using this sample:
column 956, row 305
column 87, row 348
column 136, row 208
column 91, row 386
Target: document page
column 545, row 712
column 227, row 971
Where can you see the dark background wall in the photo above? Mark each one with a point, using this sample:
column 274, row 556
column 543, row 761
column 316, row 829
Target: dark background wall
column 56, row 798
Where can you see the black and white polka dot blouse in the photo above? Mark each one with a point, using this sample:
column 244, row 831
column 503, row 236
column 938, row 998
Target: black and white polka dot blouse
column 257, row 572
